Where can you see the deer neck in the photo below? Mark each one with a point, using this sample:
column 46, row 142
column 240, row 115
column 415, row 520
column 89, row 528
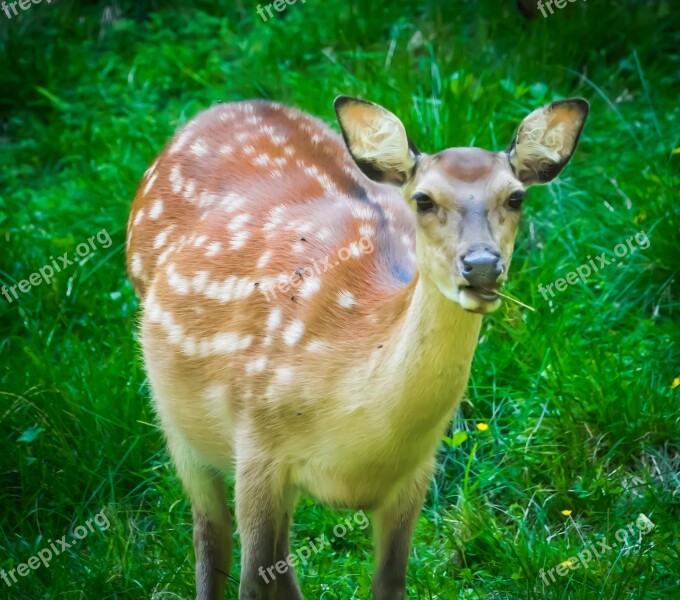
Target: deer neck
column 426, row 362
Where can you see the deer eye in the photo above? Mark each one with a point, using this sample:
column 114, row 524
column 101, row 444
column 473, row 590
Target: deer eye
column 423, row 202
column 515, row 200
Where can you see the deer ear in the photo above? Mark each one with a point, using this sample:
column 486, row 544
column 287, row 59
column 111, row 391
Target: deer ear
column 547, row 139
column 377, row 140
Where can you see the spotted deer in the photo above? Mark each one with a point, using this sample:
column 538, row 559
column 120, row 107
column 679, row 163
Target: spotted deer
column 340, row 384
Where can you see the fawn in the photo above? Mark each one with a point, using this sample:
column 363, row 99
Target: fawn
column 342, row 385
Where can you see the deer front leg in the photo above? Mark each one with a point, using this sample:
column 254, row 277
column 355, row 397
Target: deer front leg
column 211, row 518
column 261, row 509
column 393, row 528
column 287, row 587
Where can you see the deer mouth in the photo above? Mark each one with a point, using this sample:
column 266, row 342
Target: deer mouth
column 484, row 294
column 479, row 300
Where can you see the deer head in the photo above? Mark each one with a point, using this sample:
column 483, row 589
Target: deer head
column 467, row 201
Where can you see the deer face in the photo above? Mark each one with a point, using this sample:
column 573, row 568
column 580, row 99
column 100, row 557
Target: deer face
column 467, row 201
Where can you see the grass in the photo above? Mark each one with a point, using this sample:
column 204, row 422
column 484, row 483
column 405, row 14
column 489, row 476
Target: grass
column 577, row 396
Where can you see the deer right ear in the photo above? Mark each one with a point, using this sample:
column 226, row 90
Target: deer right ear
column 377, row 140
column 546, row 140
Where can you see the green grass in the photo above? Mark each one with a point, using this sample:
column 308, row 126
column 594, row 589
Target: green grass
column 577, row 395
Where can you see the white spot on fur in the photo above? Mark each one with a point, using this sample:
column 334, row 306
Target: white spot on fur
column 275, row 217
column 164, row 255
column 239, row 240
column 293, row 332
column 139, row 216
column 176, row 281
column 312, row 171
column 181, row 140
column 190, row 189
column 189, row 346
column 366, row 231
column 162, row 237
column 232, row 202
column 213, row 248
column 176, row 179
column 310, row 286
column 328, row 185
column 284, row 375
column 361, row 211
column 274, row 319
column 324, row 234
column 346, row 299
column 199, row 281
column 200, row 240
column 228, row 343
column 206, row 199
column 238, row 222
column 150, row 183
column 136, row 265
column 317, row 346
column 199, row 148
column 156, row 209
column 264, row 259
column 256, row 366
column 304, row 227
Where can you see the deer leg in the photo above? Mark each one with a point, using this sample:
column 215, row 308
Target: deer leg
column 260, row 507
column 287, row 587
column 393, row 529
column 212, row 521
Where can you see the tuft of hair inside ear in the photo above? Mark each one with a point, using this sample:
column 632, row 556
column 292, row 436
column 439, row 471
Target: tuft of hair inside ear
column 383, row 142
column 377, row 140
column 541, row 143
column 546, row 140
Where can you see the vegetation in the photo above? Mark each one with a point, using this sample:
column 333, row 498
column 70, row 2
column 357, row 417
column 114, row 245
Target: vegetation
column 571, row 427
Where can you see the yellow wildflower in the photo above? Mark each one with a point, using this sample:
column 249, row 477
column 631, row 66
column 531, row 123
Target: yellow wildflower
column 676, row 383
column 482, row 426
column 566, row 512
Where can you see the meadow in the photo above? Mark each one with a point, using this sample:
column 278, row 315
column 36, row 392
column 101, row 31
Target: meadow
column 570, row 430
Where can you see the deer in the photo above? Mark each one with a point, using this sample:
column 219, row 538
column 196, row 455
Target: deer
column 340, row 384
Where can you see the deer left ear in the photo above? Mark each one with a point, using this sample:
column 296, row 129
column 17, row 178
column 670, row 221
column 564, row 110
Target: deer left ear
column 546, row 140
column 377, row 140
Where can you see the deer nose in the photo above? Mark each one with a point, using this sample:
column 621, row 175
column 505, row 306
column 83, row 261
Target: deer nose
column 481, row 267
